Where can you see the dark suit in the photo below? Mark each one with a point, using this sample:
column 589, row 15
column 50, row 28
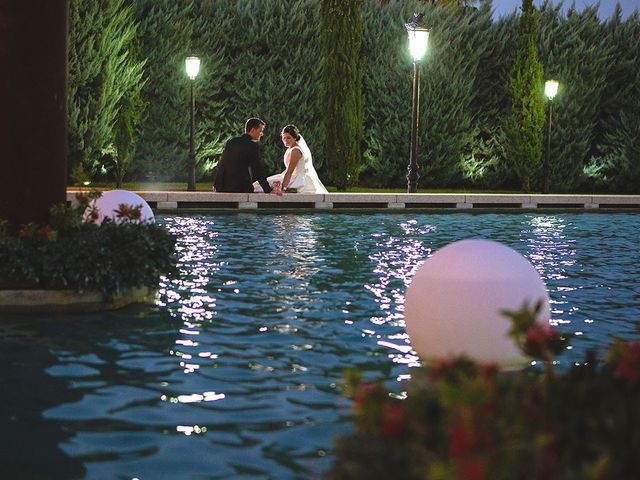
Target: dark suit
column 239, row 166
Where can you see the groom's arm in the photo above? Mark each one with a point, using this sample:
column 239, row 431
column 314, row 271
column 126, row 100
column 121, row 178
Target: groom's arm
column 218, row 184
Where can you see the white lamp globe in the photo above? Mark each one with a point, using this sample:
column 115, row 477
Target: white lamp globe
column 418, row 40
column 453, row 305
column 418, row 36
column 192, row 65
column 109, row 202
column 550, row 88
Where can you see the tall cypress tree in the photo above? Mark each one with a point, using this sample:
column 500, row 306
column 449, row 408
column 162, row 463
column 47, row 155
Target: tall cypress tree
column 524, row 127
column 341, row 102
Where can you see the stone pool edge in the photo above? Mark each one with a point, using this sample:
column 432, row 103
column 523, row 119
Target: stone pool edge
column 69, row 301
column 179, row 200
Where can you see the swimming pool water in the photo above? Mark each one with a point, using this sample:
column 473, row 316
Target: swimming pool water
column 235, row 371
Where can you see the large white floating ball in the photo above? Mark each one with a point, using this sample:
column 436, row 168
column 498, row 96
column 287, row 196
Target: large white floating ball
column 109, row 202
column 453, row 305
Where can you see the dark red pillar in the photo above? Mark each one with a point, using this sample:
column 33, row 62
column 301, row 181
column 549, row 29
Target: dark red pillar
column 33, row 108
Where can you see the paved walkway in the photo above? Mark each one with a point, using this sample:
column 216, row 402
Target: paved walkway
column 171, row 200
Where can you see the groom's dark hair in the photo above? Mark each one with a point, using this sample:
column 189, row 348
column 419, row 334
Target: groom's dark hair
column 252, row 123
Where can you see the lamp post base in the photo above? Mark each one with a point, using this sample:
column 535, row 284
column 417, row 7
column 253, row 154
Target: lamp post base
column 412, row 180
column 191, row 181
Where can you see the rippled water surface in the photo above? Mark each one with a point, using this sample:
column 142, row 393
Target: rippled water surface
column 235, row 372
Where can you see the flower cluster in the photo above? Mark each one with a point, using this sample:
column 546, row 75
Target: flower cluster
column 127, row 212
column 624, row 359
column 459, row 419
column 85, row 206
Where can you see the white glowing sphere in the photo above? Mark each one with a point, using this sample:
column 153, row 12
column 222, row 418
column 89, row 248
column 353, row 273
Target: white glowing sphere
column 109, row 202
column 453, row 305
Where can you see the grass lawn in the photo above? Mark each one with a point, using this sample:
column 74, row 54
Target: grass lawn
column 208, row 186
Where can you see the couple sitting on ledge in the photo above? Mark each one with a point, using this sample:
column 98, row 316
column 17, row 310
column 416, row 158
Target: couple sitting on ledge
column 240, row 164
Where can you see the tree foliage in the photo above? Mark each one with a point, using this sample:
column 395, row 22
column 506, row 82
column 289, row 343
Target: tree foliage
column 524, row 127
column 341, row 102
column 257, row 59
column 104, row 71
column 615, row 155
column 567, row 49
column 265, row 58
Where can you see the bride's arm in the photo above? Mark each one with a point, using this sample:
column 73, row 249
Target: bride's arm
column 294, row 158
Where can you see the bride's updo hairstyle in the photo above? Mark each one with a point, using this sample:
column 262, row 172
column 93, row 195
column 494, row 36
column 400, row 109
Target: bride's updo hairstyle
column 293, row 131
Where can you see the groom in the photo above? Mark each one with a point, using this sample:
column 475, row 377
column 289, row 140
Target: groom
column 240, row 163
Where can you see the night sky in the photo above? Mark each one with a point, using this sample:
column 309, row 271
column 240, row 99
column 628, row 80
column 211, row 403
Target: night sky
column 503, row 7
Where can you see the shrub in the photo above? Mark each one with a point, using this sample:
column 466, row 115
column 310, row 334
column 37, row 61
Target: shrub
column 464, row 420
column 71, row 254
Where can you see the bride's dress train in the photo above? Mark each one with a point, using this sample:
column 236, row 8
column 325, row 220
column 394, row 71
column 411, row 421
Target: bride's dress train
column 304, row 178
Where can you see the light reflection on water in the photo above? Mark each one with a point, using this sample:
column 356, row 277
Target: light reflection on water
column 235, row 372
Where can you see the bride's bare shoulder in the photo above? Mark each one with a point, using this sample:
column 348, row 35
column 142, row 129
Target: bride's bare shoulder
column 295, row 152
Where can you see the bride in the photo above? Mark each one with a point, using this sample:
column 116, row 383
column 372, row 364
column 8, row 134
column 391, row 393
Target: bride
column 299, row 175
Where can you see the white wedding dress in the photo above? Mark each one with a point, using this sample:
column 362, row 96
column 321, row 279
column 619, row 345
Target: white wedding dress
column 304, row 178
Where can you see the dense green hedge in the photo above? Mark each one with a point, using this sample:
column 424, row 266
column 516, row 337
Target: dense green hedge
column 257, row 59
column 262, row 57
column 105, row 78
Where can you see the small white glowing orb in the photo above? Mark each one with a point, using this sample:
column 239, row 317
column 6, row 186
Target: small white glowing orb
column 109, row 203
column 454, row 303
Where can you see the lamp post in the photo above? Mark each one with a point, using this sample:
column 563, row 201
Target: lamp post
column 550, row 90
column 418, row 40
column 192, row 65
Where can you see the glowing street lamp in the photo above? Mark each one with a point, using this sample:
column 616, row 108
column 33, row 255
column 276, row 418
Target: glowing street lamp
column 192, row 65
column 550, row 90
column 418, row 40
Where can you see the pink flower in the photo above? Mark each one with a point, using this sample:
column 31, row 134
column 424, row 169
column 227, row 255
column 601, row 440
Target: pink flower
column 538, row 338
column 362, row 394
column 489, row 371
column 393, row 420
column 627, row 364
column 473, row 470
column 124, row 211
column 459, row 441
column 48, row 233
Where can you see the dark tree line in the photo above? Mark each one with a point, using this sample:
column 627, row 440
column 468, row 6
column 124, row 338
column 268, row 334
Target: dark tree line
column 267, row 58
